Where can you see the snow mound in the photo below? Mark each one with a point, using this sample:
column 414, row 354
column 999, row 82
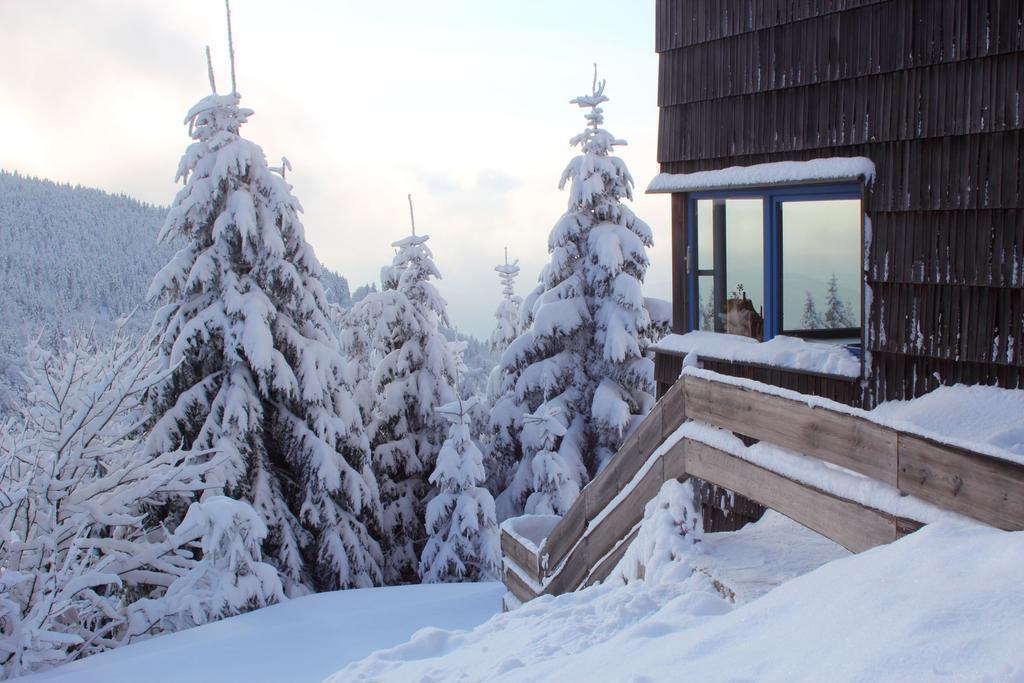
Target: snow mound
column 945, row 603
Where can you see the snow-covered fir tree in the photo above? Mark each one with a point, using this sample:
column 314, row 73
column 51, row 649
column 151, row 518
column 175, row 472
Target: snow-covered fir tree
column 254, row 368
column 811, row 319
column 462, row 531
column 582, row 352
column 838, row 313
column 502, row 456
column 507, row 313
column 415, row 376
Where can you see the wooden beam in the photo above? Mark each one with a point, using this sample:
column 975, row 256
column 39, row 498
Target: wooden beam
column 573, row 573
column 516, row 586
column 673, row 409
column 985, row 488
column 839, row 438
column 522, row 556
column 565, row 535
column 621, row 519
column 849, row 524
column 604, row 567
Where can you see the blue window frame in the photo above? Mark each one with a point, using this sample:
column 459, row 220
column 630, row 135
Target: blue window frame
column 773, row 200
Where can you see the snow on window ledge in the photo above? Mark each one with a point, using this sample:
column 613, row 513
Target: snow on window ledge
column 776, row 173
column 789, row 353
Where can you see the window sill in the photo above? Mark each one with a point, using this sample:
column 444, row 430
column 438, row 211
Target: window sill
column 788, row 353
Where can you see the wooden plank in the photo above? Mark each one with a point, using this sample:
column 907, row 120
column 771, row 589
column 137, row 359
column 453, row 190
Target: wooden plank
column 844, row 440
column 674, row 461
column 517, row 586
column 620, row 520
column 516, row 552
column 673, row 409
column 572, row 574
column 619, row 471
column 985, row 488
column 849, row 524
column 649, row 432
column 565, row 535
column 605, row 566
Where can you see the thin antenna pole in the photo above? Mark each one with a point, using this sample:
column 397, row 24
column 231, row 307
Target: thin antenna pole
column 209, row 71
column 506, row 256
column 412, row 218
column 231, row 47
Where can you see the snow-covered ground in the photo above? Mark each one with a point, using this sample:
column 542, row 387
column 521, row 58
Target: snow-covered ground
column 943, row 604
column 300, row 640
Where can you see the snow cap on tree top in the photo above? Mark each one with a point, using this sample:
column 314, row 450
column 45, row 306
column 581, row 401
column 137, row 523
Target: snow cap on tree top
column 410, row 241
column 215, row 114
column 594, row 140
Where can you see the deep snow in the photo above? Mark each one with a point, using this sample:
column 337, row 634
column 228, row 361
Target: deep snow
column 300, row 640
column 943, row 604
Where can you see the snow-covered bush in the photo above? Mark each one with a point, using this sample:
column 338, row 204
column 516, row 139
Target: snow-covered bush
column 462, row 543
column 670, row 528
column 228, row 579
column 416, row 375
column 253, row 366
column 81, row 538
column 583, row 349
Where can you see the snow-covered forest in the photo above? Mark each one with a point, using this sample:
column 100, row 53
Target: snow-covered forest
column 211, row 422
column 413, row 409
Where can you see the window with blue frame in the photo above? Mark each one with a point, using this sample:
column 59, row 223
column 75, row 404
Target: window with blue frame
column 780, row 260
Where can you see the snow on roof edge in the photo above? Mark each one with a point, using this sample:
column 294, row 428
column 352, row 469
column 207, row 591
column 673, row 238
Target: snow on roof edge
column 775, row 173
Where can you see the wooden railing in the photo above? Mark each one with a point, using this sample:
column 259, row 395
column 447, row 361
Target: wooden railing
column 589, row 540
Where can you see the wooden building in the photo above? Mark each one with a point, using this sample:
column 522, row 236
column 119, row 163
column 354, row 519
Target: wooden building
column 848, row 221
column 924, row 251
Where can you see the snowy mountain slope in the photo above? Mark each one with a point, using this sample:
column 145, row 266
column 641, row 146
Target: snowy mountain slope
column 75, row 257
column 298, row 641
column 72, row 255
column 943, row 604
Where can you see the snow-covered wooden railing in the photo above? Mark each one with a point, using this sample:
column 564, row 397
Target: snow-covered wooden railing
column 583, row 547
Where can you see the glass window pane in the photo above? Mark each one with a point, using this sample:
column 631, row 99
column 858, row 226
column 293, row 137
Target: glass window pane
column 740, row 308
column 821, row 272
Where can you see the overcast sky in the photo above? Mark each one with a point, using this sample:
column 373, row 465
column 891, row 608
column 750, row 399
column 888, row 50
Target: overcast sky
column 463, row 103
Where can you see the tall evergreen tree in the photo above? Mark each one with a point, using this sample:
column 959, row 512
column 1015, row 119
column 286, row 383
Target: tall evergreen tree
column 254, row 370
column 502, row 448
column 582, row 353
column 415, row 376
column 462, row 542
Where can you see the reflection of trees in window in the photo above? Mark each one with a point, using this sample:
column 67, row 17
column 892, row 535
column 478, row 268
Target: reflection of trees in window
column 838, row 314
column 811, row 319
column 707, row 311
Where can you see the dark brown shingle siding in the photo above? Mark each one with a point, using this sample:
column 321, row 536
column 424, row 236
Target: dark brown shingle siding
column 933, row 92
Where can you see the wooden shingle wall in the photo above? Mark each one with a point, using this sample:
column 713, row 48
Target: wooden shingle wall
column 933, row 92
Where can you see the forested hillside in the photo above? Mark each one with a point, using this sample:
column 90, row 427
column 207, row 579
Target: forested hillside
column 77, row 258
column 72, row 257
